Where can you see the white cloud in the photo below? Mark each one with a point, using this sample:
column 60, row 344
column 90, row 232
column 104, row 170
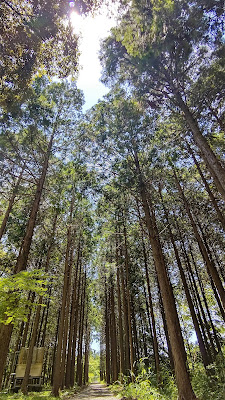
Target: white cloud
column 92, row 29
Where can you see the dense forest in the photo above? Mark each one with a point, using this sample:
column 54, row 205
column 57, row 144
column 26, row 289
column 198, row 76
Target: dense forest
column 112, row 220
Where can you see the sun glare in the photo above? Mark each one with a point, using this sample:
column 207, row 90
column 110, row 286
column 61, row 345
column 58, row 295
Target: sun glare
column 76, row 21
column 91, row 29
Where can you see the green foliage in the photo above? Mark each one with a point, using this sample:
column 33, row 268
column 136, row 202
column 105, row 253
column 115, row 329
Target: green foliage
column 94, row 367
column 35, row 40
column 14, row 291
column 210, row 384
column 145, row 386
column 207, row 385
column 45, row 395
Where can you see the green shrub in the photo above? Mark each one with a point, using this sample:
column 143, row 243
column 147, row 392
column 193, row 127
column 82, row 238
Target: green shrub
column 210, row 384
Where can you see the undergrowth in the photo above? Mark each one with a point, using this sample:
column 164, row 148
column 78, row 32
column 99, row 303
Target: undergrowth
column 207, row 385
column 44, row 395
column 210, row 384
column 145, row 386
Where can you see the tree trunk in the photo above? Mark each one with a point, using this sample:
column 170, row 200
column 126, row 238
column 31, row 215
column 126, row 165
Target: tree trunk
column 75, row 328
column 166, row 330
column 198, row 303
column 202, row 348
column 155, row 340
column 86, row 351
column 22, row 259
column 67, row 275
column 121, row 330
column 113, row 335
column 205, row 302
column 21, row 263
column 66, row 317
column 79, row 376
column 24, row 386
column 207, row 187
column 107, row 336
column 126, row 329
column 212, row 162
column 10, row 205
column 209, row 263
column 130, row 333
column 68, row 382
column 179, row 355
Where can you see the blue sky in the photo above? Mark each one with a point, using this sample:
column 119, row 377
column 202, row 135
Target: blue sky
column 91, row 29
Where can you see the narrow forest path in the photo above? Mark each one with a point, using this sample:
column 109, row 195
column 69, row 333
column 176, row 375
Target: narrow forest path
column 95, row 391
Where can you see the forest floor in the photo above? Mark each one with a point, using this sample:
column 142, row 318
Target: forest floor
column 95, row 391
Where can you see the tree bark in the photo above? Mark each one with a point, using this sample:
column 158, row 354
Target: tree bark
column 22, row 259
column 75, row 327
column 68, row 382
column 205, row 358
column 205, row 302
column 67, row 274
column 155, row 340
column 79, row 376
column 177, row 345
column 24, row 386
column 113, row 334
column 213, row 164
column 107, row 336
column 130, row 333
column 121, row 332
column 207, row 187
column 10, row 205
column 86, row 351
column 209, row 263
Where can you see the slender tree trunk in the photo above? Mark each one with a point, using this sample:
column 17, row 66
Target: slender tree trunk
column 44, row 329
column 209, row 263
column 35, row 337
column 205, row 302
column 86, row 351
column 202, row 348
column 130, row 333
column 67, row 274
column 121, row 343
column 72, row 321
column 21, row 263
column 125, row 314
column 211, row 161
column 102, row 363
column 113, row 334
column 135, row 333
column 10, row 205
column 66, row 317
column 79, row 376
column 155, row 340
column 179, row 355
column 5, row 337
column 198, row 303
column 107, row 335
column 75, row 328
column 166, row 329
column 24, row 386
column 22, row 259
column 149, row 326
column 55, row 346
column 207, row 187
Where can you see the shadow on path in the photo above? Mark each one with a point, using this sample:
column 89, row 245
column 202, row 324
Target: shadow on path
column 95, row 391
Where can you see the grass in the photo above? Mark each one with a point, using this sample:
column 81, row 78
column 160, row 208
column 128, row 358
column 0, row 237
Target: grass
column 44, row 395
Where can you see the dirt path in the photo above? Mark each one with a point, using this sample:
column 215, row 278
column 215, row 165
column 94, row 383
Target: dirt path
column 95, row 391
